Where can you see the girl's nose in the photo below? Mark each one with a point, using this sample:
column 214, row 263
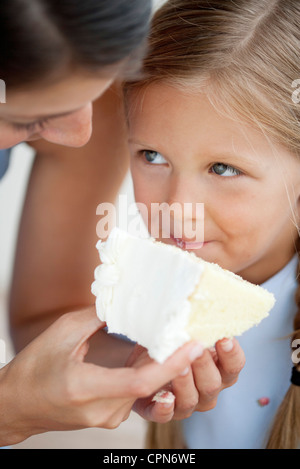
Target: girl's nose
column 186, row 206
column 72, row 130
column 184, row 189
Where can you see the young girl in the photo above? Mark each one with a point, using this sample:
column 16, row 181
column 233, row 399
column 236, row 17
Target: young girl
column 213, row 119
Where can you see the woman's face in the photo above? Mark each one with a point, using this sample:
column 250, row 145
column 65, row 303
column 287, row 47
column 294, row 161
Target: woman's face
column 184, row 151
column 60, row 113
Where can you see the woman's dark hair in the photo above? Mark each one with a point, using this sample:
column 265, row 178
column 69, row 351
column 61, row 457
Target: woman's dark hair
column 41, row 37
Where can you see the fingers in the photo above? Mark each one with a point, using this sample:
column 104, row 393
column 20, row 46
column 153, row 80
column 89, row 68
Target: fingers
column 208, row 381
column 197, row 378
column 74, row 328
column 139, row 382
column 199, row 388
column 217, row 370
column 231, row 360
column 154, row 376
column 158, row 409
column 186, row 393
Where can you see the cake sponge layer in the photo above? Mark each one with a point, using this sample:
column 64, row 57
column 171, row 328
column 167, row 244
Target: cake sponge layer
column 225, row 305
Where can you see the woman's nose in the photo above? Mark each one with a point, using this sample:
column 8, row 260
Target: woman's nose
column 73, row 130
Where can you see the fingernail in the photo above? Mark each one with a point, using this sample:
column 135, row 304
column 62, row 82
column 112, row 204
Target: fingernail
column 196, row 352
column 168, row 405
column 185, row 371
column 227, row 345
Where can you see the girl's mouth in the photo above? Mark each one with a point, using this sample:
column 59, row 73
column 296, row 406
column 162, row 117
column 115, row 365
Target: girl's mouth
column 188, row 245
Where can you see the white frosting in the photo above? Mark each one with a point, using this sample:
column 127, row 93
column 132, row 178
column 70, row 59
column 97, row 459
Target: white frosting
column 142, row 289
column 164, row 397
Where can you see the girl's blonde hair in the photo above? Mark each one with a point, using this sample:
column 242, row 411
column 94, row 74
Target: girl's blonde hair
column 245, row 55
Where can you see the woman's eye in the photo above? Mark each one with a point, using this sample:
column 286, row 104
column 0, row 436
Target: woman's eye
column 154, row 157
column 31, row 127
column 224, row 170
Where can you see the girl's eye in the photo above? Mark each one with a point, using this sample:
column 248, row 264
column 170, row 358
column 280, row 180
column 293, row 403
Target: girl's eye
column 154, row 157
column 224, row 170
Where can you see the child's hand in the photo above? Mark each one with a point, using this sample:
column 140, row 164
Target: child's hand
column 198, row 387
column 214, row 371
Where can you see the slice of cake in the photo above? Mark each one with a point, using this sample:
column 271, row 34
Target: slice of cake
column 161, row 296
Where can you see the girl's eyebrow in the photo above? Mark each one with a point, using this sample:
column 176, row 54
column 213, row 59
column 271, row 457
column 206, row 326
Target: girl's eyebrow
column 132, row 140
column 145, row 145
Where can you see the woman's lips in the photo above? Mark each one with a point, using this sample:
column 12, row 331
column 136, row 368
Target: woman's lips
column 189, row 245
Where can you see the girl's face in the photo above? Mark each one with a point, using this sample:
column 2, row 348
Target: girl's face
column 183, row 150
column 59, row 113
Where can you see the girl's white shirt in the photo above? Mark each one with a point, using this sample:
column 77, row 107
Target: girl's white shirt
column 239, row 421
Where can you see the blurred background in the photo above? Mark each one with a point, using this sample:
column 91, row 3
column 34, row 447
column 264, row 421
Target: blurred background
column 131, row 433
